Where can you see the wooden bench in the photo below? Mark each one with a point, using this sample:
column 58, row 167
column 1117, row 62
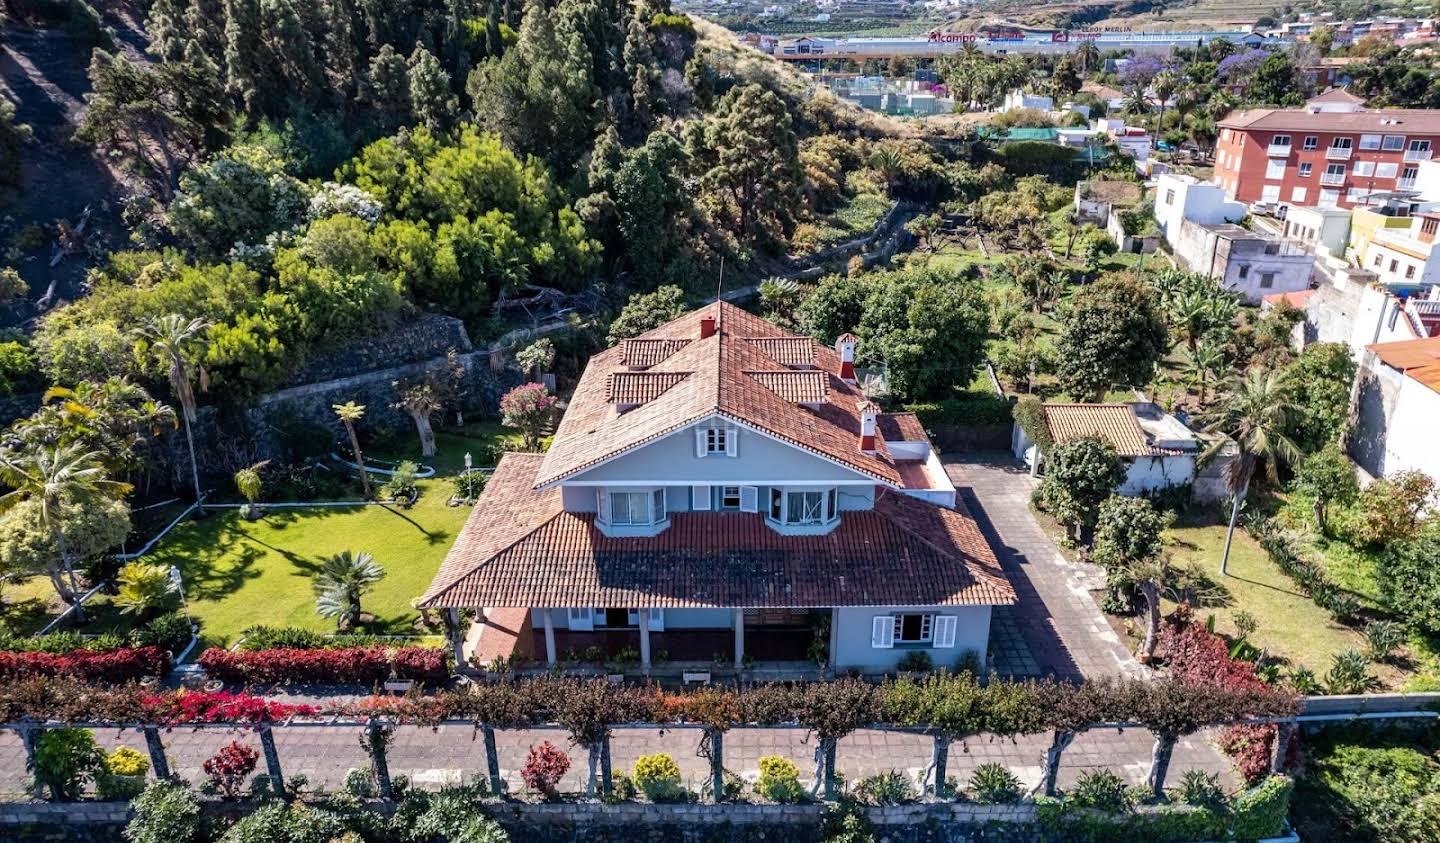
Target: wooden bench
column 701, row 676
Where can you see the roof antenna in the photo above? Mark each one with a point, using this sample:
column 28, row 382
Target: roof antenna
column 720, row 285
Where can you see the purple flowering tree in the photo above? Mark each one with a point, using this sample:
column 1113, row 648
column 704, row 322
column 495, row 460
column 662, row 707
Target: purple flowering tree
column 530, row 408
column 1241, row 66
column 1140, row 70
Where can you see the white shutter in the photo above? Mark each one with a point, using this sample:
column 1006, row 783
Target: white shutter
column 882, row 632
column 749, row 499
column 732, row 437
column 699, row 441
column 945, row 631
column 602, row 505
column 657, row 620
column 699, row 498
column 579, row 619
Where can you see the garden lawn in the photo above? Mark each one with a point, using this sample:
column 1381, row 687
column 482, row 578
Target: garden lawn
column 240, row 573
column 1291, row 627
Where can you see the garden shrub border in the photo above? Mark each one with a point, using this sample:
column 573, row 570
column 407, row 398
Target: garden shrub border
column 366, row 665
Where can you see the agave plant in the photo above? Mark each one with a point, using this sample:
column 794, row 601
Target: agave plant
column 342, row 581
column 1349, row 674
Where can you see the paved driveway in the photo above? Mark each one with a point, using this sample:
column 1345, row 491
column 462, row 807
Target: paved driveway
column 1056, row 629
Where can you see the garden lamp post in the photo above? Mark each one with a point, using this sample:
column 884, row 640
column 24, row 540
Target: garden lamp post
column 179, row 584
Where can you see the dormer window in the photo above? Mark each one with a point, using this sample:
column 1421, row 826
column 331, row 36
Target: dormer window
column 632, row 512
column 804, row 507
column 716, row 441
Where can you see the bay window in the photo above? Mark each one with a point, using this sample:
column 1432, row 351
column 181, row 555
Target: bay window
column 631, row 507
column 804, row 507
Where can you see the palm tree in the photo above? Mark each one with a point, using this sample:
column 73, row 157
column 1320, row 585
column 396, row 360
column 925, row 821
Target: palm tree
column 1136, row 103
column 53, row 477
column 1089, row 54
column 340, row 583
column 349, row 413
column 1254, row 413
column 174, row 339
column 1164, row 85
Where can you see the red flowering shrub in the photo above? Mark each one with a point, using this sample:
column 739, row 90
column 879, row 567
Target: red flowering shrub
column 365, row 665
column 1249, row 747
column 544, row 767
column 230, row 767
column 220, row 707
column 123, row 665
column 1198, row 655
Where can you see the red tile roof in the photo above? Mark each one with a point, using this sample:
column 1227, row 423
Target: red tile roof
column 642, row 353
column 797, row 387
column 1113, row 422
column 1336, row 95
column 1397, row 121
column 901, row 427
column 722, row 383
column 1419, row 359
column 520, row 548
column 639, row 387
column 787, row 351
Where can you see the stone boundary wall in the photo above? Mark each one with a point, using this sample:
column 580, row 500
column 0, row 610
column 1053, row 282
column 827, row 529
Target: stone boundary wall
column 971, row 438
column 423, row 337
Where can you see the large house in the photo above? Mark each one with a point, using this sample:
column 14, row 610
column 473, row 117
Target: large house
column 1396, row 404
column 1303, row 157
column 720, row 487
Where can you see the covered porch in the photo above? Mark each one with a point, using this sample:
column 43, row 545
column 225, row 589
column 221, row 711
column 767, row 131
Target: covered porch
column 642, row 637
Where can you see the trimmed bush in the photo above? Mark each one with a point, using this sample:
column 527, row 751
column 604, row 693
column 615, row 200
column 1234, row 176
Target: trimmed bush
column 228, row 769
column 171, row 633
column 779, row 780
column 1261, row 811
column 1101, row 790
column 544, row 767
column 976, row 408
column 166, row 812
column 365, row 665
column 658, row 777
column 64, row 760
column 123, row 665
column 994, row 784
column 122, row 777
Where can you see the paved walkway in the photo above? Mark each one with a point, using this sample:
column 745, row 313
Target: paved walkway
column 452, row 754
column 1057, row 619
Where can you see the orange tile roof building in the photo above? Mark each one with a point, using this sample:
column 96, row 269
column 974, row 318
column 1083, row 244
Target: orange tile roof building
column 719, row 484
column 1397, row 406
column 1307, row 157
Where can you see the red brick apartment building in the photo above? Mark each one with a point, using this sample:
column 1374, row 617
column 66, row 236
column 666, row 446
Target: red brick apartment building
column 1327, row 158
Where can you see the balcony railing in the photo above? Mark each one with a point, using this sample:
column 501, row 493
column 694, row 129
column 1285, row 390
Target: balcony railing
column 1278, row 150
column 1332, row 178
column 1338, row 153
column 1417, row 155
column 1404, row 184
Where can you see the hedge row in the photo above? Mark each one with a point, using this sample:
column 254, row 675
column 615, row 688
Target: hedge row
column 270, row 637
column 1308, row 576
column 1251, row 815
column 123, row 665
column 941, row 704
column 364, row 665
column 976, row 408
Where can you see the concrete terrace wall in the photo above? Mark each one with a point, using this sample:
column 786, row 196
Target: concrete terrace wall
column 78, row 822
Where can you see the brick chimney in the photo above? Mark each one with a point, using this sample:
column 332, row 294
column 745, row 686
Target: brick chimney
column 707, row 327
column 868, row 412
column 845, row 347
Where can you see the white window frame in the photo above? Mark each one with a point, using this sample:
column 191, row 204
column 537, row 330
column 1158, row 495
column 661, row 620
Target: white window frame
column 927, row 627
column 1386, row 170
column 1364, row 168
column 825, row 512
column 1305, row 169
column 1275, row 169
column 1342, row 143
column 655, row 506
column 1369, row 142
column 726, row 494
column 944, row 631
column 716, row 441
column 580, row 618
column 1297, row 194
column 1270, row 193
column 882, row 632
column 700, row 498
column 1393, row 143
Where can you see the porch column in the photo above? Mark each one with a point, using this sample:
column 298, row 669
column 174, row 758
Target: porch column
column 645, row 640
column 739, row 637
column 549, row 637
column 457, row 636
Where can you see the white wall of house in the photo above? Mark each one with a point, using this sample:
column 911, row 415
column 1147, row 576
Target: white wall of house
column 1326, row 230
column 1402, row 261
column 1395, row 422
column 1151, row 474
column 759, row 459
column 1247, row 270
column 853, row 644
column 1179, row 197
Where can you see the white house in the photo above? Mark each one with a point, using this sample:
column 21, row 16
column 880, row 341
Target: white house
column 1199, row 223
column 1019, row 98
column 1158, row 450
column 1396, row 406
column 1335, row 100
column 719, row 485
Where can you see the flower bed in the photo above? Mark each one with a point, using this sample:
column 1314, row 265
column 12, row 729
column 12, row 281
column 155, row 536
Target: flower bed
column 122, row 665
column 349, row 665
